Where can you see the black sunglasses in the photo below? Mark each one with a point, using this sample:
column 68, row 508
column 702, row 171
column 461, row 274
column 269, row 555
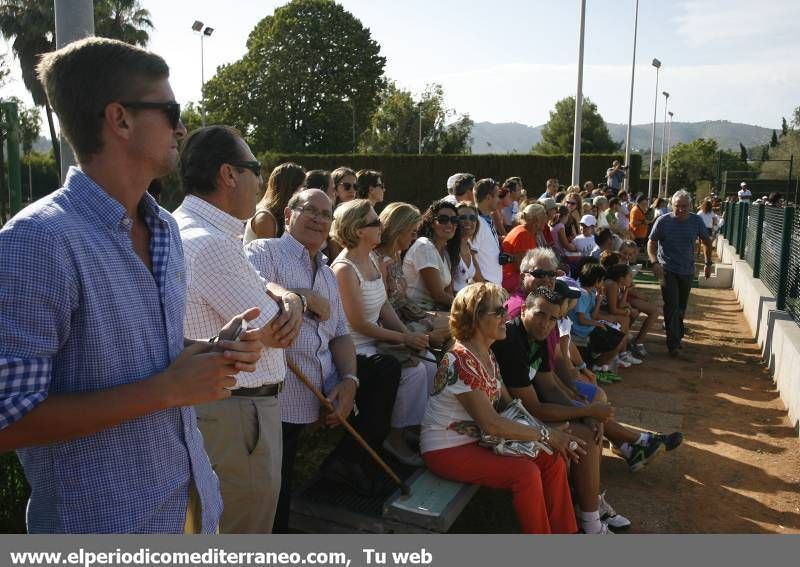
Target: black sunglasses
column 571, row 203
column 172, row 109
column 348, row 186
column 446, row 219
column 471, row 218
column 374, row 224
column 539, row 274
column 254, row 166
column 501, row 311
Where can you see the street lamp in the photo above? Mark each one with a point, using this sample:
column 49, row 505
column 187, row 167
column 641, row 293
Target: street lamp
column 204, row 32
column 663, row 135
column 657, row 64
column 576, row 131
column 630, row 103
column 669, row 139
column 419, row 108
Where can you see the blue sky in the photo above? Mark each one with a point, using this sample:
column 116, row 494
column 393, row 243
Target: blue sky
column 511, row 60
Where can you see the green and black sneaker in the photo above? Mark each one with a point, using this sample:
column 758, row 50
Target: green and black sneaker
column 670, row 441
column 643, row 455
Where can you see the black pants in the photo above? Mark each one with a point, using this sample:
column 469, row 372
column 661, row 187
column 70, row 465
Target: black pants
column 675, row 293
column 379, row 376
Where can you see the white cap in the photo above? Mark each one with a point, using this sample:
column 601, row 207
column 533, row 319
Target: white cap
column 451, row 181
column 743, row 184
column 588, row 220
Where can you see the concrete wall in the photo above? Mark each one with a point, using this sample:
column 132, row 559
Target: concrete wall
column 776, row 332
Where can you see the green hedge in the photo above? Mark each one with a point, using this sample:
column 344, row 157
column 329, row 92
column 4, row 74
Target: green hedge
column 422, row 179
column 14, row 494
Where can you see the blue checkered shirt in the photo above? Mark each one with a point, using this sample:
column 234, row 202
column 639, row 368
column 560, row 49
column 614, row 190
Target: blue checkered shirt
column 79, row 312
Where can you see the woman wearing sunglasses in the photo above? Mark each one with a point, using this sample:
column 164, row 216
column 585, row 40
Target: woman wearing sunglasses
column 427, row 265
column 344, row 180
column 371, row 319
column 268, row 222
column 466, row 391
column 467, row 271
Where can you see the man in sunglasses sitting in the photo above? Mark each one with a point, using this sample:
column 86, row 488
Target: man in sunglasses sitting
column 242, row 433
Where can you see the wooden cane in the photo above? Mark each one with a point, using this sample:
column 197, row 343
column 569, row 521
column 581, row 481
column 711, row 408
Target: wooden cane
column 404, row 489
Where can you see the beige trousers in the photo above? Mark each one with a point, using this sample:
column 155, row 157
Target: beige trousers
column 243, row 439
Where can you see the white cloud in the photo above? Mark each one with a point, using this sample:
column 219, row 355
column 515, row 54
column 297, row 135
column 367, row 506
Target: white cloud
column 706, row 21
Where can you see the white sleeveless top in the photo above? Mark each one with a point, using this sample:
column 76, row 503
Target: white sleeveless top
column 249, row 233
column 373, row 296
column 463, row 274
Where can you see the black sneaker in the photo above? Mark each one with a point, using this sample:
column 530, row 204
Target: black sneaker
column 643, row 455
column 670, row 441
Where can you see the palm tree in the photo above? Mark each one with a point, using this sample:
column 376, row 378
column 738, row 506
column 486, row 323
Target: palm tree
column 31, row 24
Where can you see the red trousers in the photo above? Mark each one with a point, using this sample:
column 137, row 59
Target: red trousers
column 541, row 491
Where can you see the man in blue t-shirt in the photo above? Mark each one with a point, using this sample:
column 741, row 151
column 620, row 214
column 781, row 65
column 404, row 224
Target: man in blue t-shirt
column 671, row 249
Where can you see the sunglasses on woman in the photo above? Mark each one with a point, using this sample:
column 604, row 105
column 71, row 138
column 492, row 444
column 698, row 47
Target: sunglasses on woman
column 540, row 274
column 501, row 311
column 465, row 218
column 348, row 186
column 446, row 219
column 374, row 224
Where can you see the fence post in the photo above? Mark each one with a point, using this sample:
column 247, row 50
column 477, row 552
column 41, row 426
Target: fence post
column 744, row 215
column 786, row 241
column 757, row 245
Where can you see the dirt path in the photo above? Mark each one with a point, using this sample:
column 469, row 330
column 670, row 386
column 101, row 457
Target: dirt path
column 738, row 470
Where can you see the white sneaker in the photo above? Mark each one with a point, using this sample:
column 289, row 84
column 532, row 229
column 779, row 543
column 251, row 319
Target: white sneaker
column 603, row 530
column 600, row 368
column 609, row 516
column 641, row 349
column 628, row 357
column 623, row 363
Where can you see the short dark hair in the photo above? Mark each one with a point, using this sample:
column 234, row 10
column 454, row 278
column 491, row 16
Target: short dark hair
column 603, row 237
column 550, row 296
column 512, row 183
column 318, row 179
column 463, row 183
column 617, row 271
column 591, row 274
column 453, row 245
column 484, row 188
column 85, row 76
column 202, row 154
column 365, row 179
column 340, row 173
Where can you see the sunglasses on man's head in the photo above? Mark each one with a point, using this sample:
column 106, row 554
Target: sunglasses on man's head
column 254, row 166
column 348, row 186
column 172, row 109
column 446, row 219
column 540, row 274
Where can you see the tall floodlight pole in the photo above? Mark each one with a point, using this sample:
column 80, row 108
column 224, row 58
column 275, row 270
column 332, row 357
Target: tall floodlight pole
column 669, row 140
column 657, row 64
column 576, row 136
column 663, row 136
column 204, row 32
column 630, row 103
column 419, row 139
column 74, row 21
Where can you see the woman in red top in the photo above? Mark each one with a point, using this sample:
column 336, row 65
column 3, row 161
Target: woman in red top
column 521, row 239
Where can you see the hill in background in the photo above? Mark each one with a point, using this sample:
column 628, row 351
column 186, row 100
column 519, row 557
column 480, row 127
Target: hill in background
column 512, row 137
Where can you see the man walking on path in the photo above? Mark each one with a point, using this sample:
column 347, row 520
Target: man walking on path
column 97, row 382
column 671, row 250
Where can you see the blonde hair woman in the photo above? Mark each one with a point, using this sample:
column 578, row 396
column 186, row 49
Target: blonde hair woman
column 371, row 318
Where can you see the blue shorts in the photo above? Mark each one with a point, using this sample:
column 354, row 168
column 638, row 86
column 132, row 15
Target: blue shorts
column 589, row 391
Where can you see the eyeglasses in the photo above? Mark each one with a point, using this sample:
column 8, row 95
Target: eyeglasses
column 254, row 166
column 541, row 274
column 313, row 212
column 572, row 204
column 465, row 218
column 447, row 219
column 348, row 186
column 172, row 109
column 374, row 224
column 501, row 311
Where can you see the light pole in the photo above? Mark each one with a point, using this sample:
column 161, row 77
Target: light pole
column 669, row 139
column 204, row 31
column 419, row 108
column 576, row 134
column 630, row 103
column 657, row 64
column 663, row 136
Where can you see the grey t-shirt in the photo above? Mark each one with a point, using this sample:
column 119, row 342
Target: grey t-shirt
column 676, row 241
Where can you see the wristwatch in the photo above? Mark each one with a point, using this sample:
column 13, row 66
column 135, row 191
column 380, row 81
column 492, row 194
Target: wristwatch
column 303, row 300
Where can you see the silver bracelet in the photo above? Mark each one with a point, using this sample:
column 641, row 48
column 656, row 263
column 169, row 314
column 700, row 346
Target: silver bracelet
column 354, row 378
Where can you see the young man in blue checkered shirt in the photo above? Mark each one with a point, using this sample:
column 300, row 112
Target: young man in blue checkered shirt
column 97, row 382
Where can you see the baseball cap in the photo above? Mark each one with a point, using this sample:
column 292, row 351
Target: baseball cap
column 548, row 203
column 743, row 184
column 588, row 220
column 565, row 291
